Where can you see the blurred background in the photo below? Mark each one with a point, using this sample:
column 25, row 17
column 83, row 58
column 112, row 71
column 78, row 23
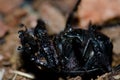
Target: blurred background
column 105, row 13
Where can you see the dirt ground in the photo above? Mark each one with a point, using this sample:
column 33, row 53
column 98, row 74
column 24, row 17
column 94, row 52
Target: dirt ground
column 54, row 13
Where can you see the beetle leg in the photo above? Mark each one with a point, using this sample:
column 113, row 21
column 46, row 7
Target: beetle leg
column 88, row 53
column 89, row 58
column 29, row 46
column 92, row 56
column 86, row 47
column 71, row 15
column 45, row 44
column 28, row 42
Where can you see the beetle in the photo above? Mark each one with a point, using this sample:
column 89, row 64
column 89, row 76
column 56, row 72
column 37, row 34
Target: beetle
column 72, row 52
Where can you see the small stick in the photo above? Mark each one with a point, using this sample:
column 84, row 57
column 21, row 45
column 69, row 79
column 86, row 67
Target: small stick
column 2, row 71
column 23, row 74
column 14, row 77
column 116, row 77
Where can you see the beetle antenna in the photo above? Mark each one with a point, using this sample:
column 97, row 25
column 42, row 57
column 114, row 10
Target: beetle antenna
column 71, row 15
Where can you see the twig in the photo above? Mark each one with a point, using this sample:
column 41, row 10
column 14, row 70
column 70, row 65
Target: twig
column 14, row 77
column 2, row 71
column 116, row 77
column 23, row 74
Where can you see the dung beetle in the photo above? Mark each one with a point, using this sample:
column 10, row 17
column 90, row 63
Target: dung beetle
column 72, row 52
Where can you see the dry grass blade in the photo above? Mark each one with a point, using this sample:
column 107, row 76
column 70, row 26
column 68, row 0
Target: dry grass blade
column 23, row 74
column 14, row 78
column 117, row 77
column 2, row 71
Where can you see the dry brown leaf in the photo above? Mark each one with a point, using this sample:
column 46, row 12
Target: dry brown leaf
column 97, row 11
column 7, row 6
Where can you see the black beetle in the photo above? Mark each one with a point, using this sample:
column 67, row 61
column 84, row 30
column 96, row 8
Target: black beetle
column 72, row 52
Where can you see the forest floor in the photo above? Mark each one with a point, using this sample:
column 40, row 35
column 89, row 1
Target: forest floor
column 54, row 13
